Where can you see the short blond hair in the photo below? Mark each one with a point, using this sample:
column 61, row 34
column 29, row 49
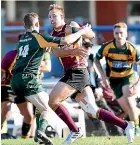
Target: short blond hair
column 29, row 19
column 57, row 7
column 120, row 25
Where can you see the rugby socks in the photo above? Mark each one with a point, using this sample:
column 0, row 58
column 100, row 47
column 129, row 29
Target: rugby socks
column 62, row 112
column 43, row 124
column 37, row 114
column 137, row 128
column 109, row 117
column 25, row 130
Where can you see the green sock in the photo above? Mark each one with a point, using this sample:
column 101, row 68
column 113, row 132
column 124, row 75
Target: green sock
column 43, row 124
column 37, row 120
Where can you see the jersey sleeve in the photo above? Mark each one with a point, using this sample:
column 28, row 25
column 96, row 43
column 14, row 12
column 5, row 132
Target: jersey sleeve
column 99, row 54
column 47, row 40
column 5, row 64
column 50, row 38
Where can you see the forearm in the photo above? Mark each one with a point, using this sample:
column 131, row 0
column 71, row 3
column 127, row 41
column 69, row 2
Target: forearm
column 45, row 68
column 72, row 37
column 90, row 35
column 45, row 65
column 62, row 53
column 99, row 68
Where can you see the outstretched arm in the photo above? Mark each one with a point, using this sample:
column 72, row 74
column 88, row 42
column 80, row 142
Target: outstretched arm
column 75, row 27
column 69, row 52
column 50, row 41
column 45, row 65
column 73, row 37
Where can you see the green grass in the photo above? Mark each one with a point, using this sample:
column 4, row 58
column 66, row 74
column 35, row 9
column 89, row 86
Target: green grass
column 117, row 140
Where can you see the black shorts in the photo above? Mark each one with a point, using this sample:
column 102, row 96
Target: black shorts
column 8, row 95
column 77, row 78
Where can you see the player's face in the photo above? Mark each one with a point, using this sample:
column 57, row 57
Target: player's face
column 120, row 34
column 36, row 24
column 56, row 18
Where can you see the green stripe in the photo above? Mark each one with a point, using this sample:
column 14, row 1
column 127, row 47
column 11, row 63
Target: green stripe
column 119, row 51
column 113, row 59
column 120, row 69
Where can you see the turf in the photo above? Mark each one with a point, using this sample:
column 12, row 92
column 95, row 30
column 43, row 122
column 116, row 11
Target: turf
column 117, row 140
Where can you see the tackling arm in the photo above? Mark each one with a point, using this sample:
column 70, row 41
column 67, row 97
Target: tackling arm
column 45, row 65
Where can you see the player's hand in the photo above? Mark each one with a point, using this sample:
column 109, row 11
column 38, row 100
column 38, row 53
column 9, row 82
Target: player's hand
column 105, row 81
column 79, row 52
column 86, row 28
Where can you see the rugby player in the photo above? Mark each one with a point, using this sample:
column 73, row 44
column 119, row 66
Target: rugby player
column 30, row 50
column 76, row 78
column 120, row 55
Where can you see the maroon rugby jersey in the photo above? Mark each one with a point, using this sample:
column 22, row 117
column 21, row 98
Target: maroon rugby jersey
column 7, row 65
column 70, row 62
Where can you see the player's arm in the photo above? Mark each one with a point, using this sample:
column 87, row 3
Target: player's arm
column 67, row 39
column 74, row 27
column 98, row 66
column 45, row 65
column 138, row 61
column 60, row 52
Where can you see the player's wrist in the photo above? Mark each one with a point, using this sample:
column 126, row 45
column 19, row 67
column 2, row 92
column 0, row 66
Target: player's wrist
column 82, row 31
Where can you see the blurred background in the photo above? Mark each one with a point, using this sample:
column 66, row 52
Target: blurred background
column 101, row 14
column 98, row 13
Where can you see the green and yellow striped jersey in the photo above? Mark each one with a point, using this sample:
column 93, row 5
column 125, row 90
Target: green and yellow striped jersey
column 119, row 61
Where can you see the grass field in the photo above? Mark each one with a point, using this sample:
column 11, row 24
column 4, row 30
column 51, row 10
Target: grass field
column 119, row 140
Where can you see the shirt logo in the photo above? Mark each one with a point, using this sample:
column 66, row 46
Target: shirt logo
column 120, row 64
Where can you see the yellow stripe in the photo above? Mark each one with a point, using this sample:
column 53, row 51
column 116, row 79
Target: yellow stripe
column 3, row 70
column 106, row 49
column 42, row 42
column 121, row 74
column 119, row 56
column 133, row 51
column 12, row 65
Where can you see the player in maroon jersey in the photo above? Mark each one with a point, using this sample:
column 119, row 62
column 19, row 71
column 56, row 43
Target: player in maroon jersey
column 8, row 97
column 76, row 79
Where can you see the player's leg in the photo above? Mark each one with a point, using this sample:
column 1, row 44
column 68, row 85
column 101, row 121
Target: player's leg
column 5, row 111
column 87, row 102
column 28, row 86
column 26, row 109
column 33, row 126
column 60, row 93
column 126, row 95
column 6, row 99
column 130, row 106
column 40, row 101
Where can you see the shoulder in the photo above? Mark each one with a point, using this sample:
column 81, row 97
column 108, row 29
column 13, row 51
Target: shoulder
column 74, row 24
column 107, row 44
column 130, row 44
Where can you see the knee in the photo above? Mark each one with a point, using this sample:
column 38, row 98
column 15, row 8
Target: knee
column 52, row 103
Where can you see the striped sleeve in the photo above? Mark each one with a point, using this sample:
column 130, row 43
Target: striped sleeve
column 99, row 54
column 46, row 41
column 50, row 38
